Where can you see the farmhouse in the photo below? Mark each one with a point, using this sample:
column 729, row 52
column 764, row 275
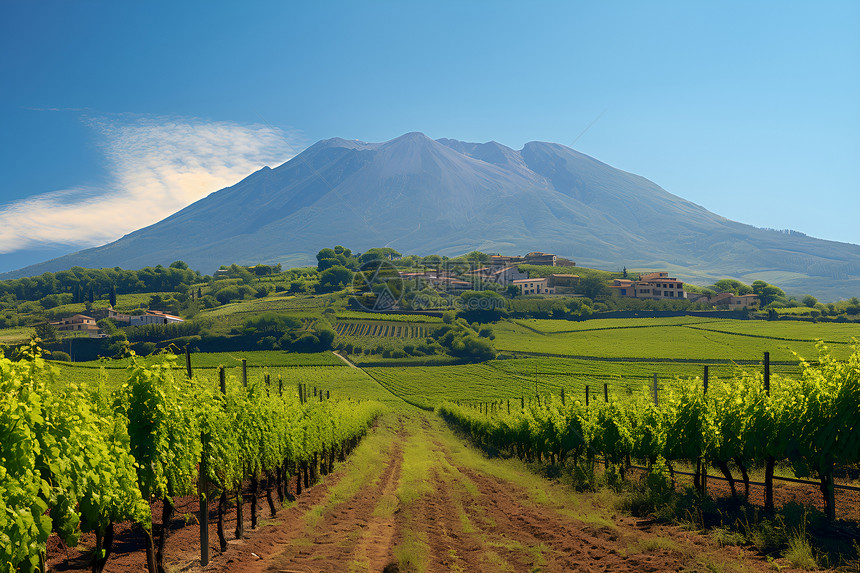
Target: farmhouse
column 503, row 276
column 533, row 258
column 733, row 301
column 153, row 317
column 78, row 322
column 534, row 286
column 653, row 286
column 564, row 283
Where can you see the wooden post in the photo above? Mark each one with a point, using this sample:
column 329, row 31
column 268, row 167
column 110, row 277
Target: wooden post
column 656, row 400
column 767, row 373
column 605, row 392
column 244, row 373
column 280, row 385
column 704, row 465
column 188, row 362
column 562, row 398
column 586, row 395
column 769, row 461
column 327, row 395
column 203, row 490
column 223, row 378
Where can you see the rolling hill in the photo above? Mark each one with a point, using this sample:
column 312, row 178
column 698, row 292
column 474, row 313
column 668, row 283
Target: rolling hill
column 423, row 196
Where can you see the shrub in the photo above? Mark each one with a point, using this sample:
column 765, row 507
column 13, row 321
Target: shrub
column 59, row 355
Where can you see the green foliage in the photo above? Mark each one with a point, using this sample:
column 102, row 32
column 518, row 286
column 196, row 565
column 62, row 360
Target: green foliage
column 482, row 306
column 812, row 422
column 733, row 286
column 76, row 461
column 334, row 278
column 462, row 341
column 767, row 293
column 63, row 453
column 810, row 301
column 46, row 332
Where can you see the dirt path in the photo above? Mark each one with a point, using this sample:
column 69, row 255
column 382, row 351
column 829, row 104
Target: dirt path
column 414, row 497
column 434, row 504
column 345, row 360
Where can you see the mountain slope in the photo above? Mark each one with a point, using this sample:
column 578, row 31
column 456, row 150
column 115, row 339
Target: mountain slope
column 423, row 196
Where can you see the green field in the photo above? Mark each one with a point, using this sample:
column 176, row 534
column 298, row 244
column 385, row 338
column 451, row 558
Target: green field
column 365, row 316
column 315, row 370
column 354, row 329
column 682, row 338
column 538, row 356
column 428, row 386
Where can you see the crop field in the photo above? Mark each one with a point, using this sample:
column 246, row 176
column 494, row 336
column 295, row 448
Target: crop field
column 428, row 386
column 548, row 326
column 682, row 340
column 337, row 378
column 384, row 329
column 830, row 333
column 363, row 316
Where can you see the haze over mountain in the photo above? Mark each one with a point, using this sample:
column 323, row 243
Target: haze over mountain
column 448, row 197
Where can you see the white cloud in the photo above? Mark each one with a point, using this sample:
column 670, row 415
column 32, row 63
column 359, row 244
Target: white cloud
column 157, row 167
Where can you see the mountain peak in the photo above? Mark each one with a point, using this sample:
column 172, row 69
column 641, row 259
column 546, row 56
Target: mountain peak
column 423, row 196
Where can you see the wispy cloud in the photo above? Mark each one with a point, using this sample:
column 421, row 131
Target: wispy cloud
column 157, row 166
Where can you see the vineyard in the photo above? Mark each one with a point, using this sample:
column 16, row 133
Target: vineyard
column 682, row 339
column 79, row 459
column 384, row 329
column 811, row 421
column 429, row 386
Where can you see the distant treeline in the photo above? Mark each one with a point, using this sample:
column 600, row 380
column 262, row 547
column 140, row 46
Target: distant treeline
column 83, row 283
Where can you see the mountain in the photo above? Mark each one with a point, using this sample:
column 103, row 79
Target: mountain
column 448, row 197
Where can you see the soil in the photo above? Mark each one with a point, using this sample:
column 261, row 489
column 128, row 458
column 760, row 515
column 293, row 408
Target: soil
column 465, row 519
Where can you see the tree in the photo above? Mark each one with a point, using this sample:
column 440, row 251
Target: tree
column 767, row 293
column 181, row 265
column 334, row 278
column 593, row 287
column 624, row 272
column 113, row 295
column 810, row 301
column 47, row 332
column 482, row 306
column 379, row 254
column 732, row 286
column 478, row 257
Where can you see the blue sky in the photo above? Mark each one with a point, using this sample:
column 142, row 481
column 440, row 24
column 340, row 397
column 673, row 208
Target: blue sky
column 115, row 114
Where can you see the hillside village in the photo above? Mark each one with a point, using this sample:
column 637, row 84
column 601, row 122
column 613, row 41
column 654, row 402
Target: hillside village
column 503, row 273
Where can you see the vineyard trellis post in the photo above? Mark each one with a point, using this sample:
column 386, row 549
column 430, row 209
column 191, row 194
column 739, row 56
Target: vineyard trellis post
column 244, row 373
column 606, row 392
column 223, row 380
column 203, row 488
column 188, row 361
column 656, row 399
column 770, row 461
column 586, row 395
column 704, row 465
